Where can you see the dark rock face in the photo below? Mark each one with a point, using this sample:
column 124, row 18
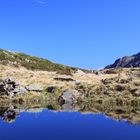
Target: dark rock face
column 10, row 87
column 126, row 62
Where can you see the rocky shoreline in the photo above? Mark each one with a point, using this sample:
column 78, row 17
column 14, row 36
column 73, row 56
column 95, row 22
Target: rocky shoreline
column 113, row 92
column 109, row 98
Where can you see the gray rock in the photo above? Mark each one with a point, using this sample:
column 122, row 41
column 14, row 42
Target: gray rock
column 70, row 97
column 35, row 87
column 10, row 87
column 69, row 100
column 77, row 82
column 67, row 79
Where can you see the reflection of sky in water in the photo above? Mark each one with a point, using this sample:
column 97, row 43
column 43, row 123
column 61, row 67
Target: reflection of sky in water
column 67, row 126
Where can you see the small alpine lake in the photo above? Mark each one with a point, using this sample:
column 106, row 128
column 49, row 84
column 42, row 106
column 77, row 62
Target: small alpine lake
column 42, row 124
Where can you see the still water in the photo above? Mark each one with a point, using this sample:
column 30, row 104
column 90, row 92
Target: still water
column 53, row 125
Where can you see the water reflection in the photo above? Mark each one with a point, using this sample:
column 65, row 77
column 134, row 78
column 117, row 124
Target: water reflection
column 9, row 114
column 114, row 108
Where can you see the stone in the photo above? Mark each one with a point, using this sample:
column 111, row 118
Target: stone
column 35, row 87
column 70, row 97
column 64, row 79
column 124, row 81
column 10, row 87
column 69, row 100
column 77, row 82
column 51, row 89
column 80, row 72
column 136, row 93
column 109, row 80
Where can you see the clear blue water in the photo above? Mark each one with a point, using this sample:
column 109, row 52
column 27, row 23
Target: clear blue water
column 49, row 125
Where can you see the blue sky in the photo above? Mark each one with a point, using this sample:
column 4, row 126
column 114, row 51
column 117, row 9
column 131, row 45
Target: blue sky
column 81, row 33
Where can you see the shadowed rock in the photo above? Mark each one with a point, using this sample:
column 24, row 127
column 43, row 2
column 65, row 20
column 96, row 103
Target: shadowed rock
column 64, row 79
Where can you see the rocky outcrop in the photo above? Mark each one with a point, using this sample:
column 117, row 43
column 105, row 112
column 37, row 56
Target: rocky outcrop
column 11, row 88
column 126, row 62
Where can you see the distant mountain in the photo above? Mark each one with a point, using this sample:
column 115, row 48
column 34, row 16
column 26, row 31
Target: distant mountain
column 32, row 63
column 126, row 62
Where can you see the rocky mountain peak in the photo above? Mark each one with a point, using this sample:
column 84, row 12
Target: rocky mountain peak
column 126, row 62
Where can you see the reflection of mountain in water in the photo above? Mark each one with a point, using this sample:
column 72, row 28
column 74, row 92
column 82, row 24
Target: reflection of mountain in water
column 118, row 109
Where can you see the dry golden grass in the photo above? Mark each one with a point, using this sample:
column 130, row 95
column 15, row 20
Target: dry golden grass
column 45, row 78
column 28, row 77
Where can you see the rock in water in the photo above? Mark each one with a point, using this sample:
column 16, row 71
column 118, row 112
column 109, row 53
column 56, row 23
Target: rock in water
column 69, row 97
column 69, row 100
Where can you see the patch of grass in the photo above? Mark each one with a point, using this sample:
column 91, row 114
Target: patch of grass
column 33, row 63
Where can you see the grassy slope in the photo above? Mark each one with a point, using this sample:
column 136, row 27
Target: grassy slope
column 33, row 63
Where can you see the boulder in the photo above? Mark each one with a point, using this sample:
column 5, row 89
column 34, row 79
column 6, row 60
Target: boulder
column 34, row 87
column 51, row 89
column 69, row 100
column 77, row 82
column 70, row 96
column 10, row 87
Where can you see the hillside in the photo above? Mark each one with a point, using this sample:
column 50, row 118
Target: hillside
column 32, row 63
column 43, row 79
column 126, row 62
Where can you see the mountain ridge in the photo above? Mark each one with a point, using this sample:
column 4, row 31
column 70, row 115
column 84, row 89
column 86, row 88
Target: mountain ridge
column 126, row 62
